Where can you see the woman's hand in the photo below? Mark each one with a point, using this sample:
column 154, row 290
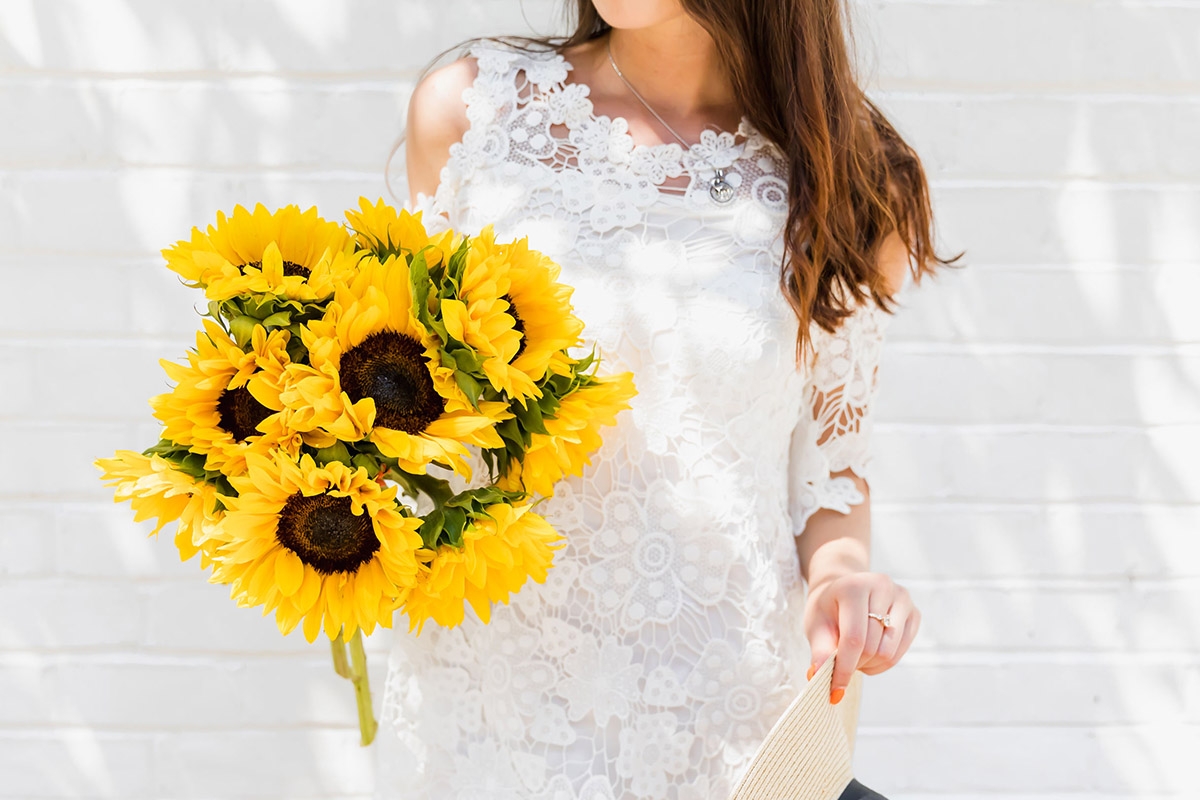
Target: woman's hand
column 835, row 620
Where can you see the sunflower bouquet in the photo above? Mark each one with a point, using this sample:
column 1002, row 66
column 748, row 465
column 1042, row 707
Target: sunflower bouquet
column 323, row 444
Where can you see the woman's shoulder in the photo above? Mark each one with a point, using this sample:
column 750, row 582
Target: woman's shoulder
column 438, row 110
column 486, row 75
column 490, row 57
column 437, row 118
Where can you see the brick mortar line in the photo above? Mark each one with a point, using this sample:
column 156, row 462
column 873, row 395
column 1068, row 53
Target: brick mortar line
column 334, row 83
column 37, row 658
column 1120, row 582
column 77, row 502
column 11, row 259
column 302, row 169
column 982, row 348
column 989, row 428
column 377, row 647
column 348, row 727
column 102, row 423
column 332, row 175
column 988, row 505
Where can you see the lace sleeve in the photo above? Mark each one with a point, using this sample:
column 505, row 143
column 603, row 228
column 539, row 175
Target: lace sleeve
column 834, row 431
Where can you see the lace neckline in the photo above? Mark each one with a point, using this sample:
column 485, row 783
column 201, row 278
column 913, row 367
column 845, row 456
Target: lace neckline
column 708, row 135
column 547, row 71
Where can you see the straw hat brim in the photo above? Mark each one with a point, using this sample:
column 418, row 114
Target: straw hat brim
column 807, row 753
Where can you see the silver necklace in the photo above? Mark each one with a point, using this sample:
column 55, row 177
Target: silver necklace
column 719, row 189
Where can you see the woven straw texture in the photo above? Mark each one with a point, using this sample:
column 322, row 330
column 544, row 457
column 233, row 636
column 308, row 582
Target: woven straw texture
column 807, row 753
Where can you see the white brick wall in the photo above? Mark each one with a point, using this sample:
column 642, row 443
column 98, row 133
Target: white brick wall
column 1039, row 484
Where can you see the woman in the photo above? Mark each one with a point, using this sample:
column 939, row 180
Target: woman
column 735, row 217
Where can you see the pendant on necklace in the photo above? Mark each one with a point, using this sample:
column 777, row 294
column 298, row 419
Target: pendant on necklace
column 720, row 189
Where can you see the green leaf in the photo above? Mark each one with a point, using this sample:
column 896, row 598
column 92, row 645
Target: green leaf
column 280, row 319
column 224, row 486
column 531, row 418
column 297, row 352
column 586, row 361
column 242, row 330
column 431, row 528
column 548, row 404
column 457, row 262
column 335, row 452
column 163, row 448
column 470, row 387
column 467, row 360
column 456, row 520
column 192, row 464
column 418, row 273
column 367, row 462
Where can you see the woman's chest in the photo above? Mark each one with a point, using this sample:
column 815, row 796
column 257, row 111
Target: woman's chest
column 677, row 290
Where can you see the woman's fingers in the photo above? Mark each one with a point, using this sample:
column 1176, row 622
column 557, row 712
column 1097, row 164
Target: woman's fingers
column 896, row 641
column 899, row 607
column 852, row 640
column 836, row 622
column 889, row 644
column 877, row 603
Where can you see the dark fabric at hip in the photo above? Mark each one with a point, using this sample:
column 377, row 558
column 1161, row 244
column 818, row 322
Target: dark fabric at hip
column 856, row 791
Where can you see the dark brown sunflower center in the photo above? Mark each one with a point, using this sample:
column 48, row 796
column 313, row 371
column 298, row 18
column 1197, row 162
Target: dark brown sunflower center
column 240, row 413
column 390, row 368
column 325, row 533
column 518, row 324
column 289, row 268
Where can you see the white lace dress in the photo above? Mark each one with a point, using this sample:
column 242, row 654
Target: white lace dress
column 667, row 638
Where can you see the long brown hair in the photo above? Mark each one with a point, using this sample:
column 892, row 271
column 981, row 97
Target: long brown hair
column 852, row 181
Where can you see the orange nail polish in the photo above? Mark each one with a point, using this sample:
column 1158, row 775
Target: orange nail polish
column 812, row 671
column 836, row 696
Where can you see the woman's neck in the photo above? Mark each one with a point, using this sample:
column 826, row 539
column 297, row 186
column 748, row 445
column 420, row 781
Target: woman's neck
column 674, row 66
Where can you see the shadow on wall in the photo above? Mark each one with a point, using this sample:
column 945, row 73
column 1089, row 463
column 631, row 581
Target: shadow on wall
column 123, row 674
column 1037, row 485
column 1038, row 479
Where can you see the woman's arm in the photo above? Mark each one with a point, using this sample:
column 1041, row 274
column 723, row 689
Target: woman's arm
column 834, row 552
column 437, row 118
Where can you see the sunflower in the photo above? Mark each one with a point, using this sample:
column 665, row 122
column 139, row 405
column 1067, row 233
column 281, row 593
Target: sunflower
column 384, row 231
column 325, row 545
column 501, row 549
column 572, row 435
column 291, row 253
column 374, row 372
column 512, row 310
column 221, row 406
column 156, row 489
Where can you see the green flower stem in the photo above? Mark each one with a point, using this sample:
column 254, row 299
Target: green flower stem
column 362, row 689
column 340, row 665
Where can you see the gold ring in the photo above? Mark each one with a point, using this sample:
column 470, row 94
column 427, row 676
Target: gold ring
column 886, row 619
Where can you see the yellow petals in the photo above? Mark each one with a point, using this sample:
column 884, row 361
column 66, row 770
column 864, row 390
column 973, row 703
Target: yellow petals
column 384, row 230
column 289, row 572
column 288, row 252
column 157, row 490
column 277, row 556
column 212, row 410
column 513, row 312
column 500, row 552
column 573, row 434
column 338, row 356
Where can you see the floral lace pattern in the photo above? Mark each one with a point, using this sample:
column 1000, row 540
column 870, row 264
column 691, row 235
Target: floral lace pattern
column 666, row 640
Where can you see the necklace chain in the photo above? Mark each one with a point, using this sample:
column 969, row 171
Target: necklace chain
column 719, row 188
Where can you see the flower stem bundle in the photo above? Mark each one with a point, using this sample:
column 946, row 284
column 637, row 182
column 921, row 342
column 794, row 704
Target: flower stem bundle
column 368, row 416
